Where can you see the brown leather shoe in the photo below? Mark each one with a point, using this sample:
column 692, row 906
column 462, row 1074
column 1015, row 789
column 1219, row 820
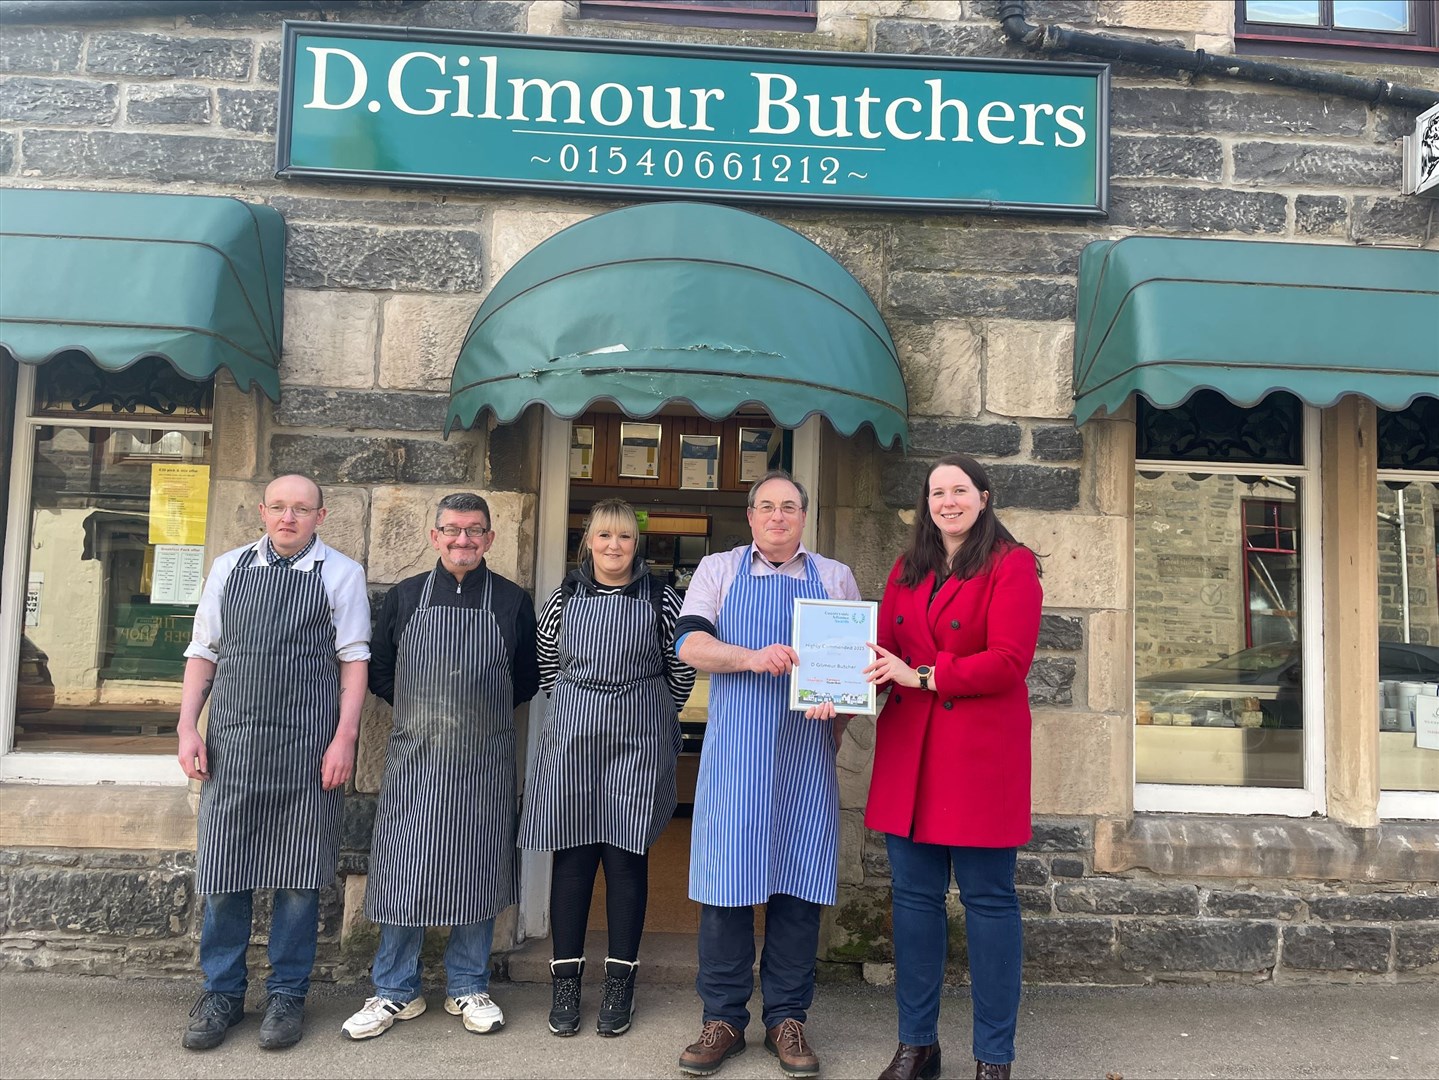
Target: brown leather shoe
column 787, row 1042
column 913, row 1063
column 987, row 1070
column 705, row 1055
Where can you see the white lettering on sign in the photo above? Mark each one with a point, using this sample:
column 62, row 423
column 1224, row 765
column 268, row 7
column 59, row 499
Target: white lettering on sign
column 322, row 79
column 397, row 75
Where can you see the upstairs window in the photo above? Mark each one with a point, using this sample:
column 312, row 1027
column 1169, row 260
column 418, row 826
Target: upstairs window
column 1326, row 27
column 765, row 14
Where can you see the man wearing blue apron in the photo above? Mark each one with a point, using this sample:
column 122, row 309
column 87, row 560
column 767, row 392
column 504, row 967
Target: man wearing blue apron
column 454, row 653
column 766, row 816
column 280, row 649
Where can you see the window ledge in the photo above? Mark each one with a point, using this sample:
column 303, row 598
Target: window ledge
column 1194, row 845
column 116, row 817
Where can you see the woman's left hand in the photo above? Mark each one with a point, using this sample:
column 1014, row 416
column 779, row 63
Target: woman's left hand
column 889, row 668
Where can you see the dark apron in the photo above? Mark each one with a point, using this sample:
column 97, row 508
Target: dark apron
column 264, row 822
column 605, row 771
column 443, row 852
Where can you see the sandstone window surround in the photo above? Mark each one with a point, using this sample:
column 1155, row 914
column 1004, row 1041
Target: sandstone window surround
column 1226, row 722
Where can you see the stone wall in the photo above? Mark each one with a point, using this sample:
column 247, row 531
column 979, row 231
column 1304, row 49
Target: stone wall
column 382, row 282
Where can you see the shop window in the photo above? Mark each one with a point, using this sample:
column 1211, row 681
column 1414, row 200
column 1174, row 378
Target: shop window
column 767, row 14
column 1329, row 27
column 1407, row 520
column 1223, row 561
column 114, row 468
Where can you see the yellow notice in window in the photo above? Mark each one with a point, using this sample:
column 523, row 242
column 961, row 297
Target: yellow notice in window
column 179, row 499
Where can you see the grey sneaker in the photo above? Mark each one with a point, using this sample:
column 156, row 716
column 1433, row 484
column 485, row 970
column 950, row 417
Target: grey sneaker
column 284, row 1022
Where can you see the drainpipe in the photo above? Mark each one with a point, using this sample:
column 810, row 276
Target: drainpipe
column 1049, row 38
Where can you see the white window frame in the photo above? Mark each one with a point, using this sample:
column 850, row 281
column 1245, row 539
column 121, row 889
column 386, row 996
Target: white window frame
column 1286, row 802
column 1400, row 805
column 54, row 767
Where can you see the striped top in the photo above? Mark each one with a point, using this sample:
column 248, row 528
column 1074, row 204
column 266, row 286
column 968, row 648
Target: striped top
column 679, row 676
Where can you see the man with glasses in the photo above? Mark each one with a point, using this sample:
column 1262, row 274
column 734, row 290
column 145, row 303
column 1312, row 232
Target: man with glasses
column 454, row 653
column 279, row 649
column 766, row 816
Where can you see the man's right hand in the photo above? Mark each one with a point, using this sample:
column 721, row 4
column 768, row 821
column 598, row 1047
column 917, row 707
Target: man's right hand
column 192, row 755
column 773, row 660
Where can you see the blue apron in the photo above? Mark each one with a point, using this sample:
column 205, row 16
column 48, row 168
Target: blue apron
column 766, row 817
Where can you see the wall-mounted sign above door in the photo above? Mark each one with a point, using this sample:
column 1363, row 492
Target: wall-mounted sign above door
column 738, row 125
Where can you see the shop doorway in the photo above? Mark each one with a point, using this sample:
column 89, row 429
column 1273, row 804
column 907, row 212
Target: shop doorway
column 687, row 478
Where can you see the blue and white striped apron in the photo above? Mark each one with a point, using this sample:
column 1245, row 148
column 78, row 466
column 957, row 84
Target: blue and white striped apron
column 766, row 816
column 264, row 821
column 443, row 849
column 605, row 771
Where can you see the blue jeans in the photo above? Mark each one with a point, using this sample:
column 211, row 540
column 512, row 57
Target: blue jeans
column 786, row 967
column 920, row 877
column 397, row 969
column 225, row 935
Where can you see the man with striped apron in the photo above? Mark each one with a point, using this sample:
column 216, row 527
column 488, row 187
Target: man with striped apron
column 454, row 653
column 766, row 818
column 281, row 638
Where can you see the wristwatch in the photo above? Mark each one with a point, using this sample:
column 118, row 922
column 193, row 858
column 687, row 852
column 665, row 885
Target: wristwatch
column 925, row 673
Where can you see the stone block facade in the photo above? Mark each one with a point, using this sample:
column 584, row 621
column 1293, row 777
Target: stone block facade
column 382, row 284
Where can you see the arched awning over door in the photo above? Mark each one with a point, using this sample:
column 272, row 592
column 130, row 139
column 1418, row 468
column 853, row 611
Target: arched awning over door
column 681, row 302
column 119, row 276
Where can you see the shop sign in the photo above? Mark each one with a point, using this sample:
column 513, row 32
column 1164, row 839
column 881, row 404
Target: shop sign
column 732, row 124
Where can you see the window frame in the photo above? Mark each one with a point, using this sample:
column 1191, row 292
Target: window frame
column 1228, row 800
column 55, row 767
column 1417, row 46
column 743, row 16
column 1397, row 805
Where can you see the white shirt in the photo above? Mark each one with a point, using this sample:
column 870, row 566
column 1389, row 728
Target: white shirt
column 716, row 573
column 345, row 588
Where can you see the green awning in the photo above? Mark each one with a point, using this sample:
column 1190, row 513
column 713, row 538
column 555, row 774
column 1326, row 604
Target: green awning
column 681, row 302
column 1166, row 317
column 195, row 280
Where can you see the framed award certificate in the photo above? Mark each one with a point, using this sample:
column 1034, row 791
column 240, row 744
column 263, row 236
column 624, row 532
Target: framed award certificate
column 832, row 638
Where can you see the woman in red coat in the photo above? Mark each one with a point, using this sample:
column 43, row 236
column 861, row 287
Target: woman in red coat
column 957, row 631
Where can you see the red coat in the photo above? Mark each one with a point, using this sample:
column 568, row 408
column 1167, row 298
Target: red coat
column 951, row 764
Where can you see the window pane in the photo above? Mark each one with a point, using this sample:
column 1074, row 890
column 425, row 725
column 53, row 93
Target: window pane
column 1391, row 15
column 112, row 590
column 1218, row 694
column 1283, row 12
column 1408, row 630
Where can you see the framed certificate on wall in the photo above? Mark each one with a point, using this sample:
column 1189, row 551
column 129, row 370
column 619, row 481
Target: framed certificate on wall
column 699, row 462
column 582, row 452
column 640, row 450
column 758, row 452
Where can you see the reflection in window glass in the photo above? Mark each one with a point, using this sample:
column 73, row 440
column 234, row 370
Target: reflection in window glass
column 1283, row 12
column 1391, row 15
column 116, row 550
column 1408, row 584
column 1218, row 695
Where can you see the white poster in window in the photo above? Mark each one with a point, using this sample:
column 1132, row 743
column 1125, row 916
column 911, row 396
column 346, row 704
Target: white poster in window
column 179, row 573
column 640, row 450
column 582, row 452
column 1426, row 722
column 757, row 448
column 699, row 462
column 33, row 590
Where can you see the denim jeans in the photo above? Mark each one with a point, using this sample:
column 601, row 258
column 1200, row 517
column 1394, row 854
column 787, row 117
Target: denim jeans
column 786, row 966
column 397, row 969
column 225, row 935
column 920, row 875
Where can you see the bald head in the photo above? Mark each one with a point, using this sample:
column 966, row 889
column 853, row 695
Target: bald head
column 292, row 510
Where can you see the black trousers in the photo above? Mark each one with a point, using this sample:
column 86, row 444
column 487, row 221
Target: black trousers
column 572, row 887
column 786, row 966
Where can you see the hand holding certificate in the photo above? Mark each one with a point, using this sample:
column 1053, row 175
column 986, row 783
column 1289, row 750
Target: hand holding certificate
column 832, row 639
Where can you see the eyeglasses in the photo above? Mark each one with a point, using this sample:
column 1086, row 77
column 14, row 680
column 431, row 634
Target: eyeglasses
column 766, row 509
column 474, row 532
column 278, row 510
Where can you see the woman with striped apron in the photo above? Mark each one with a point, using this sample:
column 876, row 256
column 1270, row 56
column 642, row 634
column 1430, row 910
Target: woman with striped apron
column 443, row 852
column 604, row 782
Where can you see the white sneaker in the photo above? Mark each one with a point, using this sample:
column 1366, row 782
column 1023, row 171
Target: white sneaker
column 378, row 1014
column 481, row 1015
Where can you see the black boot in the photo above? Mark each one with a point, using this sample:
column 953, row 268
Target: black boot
column 565, row 995
column 618, row 1004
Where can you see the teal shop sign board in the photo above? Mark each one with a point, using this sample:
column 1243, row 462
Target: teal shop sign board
column 639, row 119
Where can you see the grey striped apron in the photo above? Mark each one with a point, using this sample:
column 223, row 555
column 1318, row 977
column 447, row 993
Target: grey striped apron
column 264, row 822
column 767, row 799
column 605, row 771
column 443, row 851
